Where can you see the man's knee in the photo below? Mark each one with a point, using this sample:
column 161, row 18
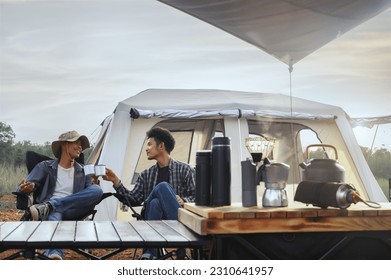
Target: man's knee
column 96, row 191
column 162, row 187
column 154, row 203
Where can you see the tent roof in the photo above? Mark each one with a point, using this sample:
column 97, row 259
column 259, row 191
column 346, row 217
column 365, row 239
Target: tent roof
column 210, row 102
column 287, row 29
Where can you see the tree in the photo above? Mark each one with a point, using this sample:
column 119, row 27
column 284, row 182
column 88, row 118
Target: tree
column 7, row 136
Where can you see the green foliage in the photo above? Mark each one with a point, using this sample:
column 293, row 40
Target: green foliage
column 7, row 136
column 13, row 158
column 384, row 185
column 379, row 161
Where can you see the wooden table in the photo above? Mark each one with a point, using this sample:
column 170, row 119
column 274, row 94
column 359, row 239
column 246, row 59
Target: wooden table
column 30, row 235
column 236, row 221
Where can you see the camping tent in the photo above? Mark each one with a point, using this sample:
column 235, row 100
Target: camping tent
column 195, row 116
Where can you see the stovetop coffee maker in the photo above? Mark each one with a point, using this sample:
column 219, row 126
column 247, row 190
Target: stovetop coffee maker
column 275, row 176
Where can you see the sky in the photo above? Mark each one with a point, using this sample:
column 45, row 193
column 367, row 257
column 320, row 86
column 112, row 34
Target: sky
column 65, row 65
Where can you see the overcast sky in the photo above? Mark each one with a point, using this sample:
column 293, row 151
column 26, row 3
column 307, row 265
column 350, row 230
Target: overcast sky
column 66, row 64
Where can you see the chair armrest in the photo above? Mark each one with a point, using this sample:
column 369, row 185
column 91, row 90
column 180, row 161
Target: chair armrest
column 23, row 200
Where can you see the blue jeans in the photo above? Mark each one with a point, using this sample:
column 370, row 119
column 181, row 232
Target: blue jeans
column 162, row 203
column 73, row 207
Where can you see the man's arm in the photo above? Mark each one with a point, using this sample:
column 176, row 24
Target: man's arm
column 129, row 197
column 190, row 185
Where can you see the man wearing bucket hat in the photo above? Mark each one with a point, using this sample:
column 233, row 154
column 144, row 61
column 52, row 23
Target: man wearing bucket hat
column 61, row 188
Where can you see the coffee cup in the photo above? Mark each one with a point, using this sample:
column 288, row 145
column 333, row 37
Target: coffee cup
column 89, row 169
column 100, row 170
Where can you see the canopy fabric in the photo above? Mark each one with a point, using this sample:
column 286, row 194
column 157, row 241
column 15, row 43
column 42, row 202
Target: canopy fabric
column 214, row 102
column 287, row 29
column 216, row 114
column 370, row 122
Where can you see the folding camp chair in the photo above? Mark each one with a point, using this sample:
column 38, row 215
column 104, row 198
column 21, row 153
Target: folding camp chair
column 24, row 201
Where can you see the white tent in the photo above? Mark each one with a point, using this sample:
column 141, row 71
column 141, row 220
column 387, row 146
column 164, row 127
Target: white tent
column 195, row 116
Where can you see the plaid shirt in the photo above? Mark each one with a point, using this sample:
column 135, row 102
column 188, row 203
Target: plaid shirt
column 182, row 179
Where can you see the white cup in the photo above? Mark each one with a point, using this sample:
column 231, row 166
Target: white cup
column 100, row 170
column 89, row 169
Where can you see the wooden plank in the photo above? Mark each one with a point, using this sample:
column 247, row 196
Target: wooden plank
column 278, row 214
column 320, row 224
column 235, row 211
column 193, row 221
column 263, row 215
column 85, row 234
column 332, row 212
column 294, row 214
column 43, row 234
column 8, row 227
column 211, row 212
column 106, row 233
column 127, row 234
column 22, row 233
column 148, row 234
column 65, row 233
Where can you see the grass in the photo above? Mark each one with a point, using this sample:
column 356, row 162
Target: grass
column 10, row 178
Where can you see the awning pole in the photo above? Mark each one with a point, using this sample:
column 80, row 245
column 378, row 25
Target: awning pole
column 295, row 156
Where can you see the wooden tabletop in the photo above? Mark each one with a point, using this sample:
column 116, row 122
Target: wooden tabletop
column 295, row 218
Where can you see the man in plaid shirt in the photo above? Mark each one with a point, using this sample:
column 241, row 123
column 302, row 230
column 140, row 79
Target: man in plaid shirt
column 165, row 186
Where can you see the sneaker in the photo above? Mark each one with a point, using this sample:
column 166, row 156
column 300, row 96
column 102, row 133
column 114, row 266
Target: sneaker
column 147, row 256
column 54, row 254
column 40, row 212
column 55, row 257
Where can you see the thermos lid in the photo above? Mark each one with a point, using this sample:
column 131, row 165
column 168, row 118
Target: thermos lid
column 203, row 152
column 221, row 141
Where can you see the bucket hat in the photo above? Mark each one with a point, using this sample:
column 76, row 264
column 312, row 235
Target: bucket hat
column 69, row 136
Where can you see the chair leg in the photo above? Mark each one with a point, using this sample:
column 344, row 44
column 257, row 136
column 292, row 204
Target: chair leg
column 30, row 254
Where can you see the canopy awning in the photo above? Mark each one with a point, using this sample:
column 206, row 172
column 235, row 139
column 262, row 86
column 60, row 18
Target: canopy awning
column 370, row 122
column 287, row 29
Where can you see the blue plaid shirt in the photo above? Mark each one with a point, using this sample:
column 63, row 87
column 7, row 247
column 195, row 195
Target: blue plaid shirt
column 182, row 179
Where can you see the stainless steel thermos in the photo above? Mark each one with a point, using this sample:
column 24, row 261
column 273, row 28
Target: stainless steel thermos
column 203, row 177
column 221, row 171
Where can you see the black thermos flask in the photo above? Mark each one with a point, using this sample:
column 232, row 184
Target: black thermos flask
column 221, row 171
column 203, row 177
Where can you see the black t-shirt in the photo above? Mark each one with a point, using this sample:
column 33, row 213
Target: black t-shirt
column 163, row 174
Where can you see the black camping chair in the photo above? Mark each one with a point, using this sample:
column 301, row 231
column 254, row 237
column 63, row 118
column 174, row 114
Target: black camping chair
column 24, row 201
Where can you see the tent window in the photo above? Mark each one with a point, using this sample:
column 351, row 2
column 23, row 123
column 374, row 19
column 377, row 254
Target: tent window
column 308, row 137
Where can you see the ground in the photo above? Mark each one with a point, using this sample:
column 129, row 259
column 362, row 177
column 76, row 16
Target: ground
column 8, row 212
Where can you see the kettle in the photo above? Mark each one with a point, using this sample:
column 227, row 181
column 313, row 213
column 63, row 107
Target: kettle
column 322, row 170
